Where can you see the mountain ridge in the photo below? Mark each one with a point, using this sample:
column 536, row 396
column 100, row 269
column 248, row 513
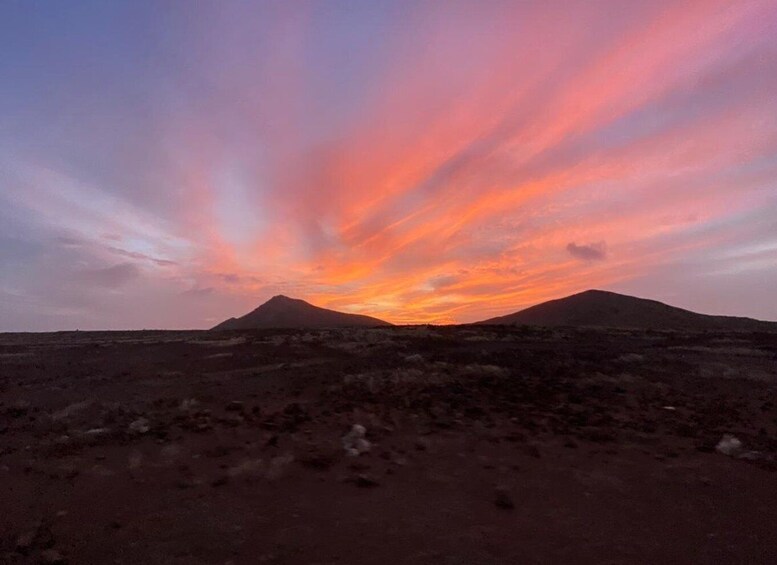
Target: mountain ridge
column 600, row 308
column 284, row 312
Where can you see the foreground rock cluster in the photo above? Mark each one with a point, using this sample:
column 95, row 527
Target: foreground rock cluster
column 413, row 445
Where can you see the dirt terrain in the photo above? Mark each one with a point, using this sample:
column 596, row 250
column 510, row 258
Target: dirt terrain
column 480, row 445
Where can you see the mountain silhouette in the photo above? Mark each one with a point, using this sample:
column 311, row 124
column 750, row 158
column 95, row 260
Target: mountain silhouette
column 609, row 309
column 284, row 312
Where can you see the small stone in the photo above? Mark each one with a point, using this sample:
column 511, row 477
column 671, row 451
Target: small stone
column 354, row 442
column 140, row 426
column 364, row 481
column 235, row 406
column 399, row 461
column 188, row 404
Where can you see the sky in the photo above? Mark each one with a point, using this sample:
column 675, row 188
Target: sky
column 173, row 164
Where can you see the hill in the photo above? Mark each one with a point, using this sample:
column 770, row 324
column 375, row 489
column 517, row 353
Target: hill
column 609, row 309
column 284, row 312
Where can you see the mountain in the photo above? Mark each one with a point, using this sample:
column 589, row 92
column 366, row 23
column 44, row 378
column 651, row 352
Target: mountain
column 284, row 312
column 609, row 309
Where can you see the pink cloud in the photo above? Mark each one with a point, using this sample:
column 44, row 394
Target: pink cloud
column 424, row 164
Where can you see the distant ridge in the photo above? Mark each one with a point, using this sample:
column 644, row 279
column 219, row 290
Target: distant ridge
column 609, row 309
column 284, row 312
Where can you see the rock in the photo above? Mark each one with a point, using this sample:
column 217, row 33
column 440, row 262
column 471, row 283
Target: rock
column 235, row 406
column 203, row 426
column 751, row 455
column 354, row 441
column 94, row 432
column 139, row 426
column 363, row 481
column 188, row 404
column 70, row 410
column 730, row 445
column 51, row 557
column 502, row 499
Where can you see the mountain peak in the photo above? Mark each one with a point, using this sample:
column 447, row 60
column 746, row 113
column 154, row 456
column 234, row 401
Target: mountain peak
column 609, row 309
column 283, row 298
column 284, row 312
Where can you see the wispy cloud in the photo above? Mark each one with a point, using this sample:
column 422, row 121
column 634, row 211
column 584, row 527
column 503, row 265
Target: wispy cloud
column 417, row 163
column 112, row 277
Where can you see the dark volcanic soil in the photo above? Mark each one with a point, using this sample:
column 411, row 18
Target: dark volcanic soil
column 488, row 445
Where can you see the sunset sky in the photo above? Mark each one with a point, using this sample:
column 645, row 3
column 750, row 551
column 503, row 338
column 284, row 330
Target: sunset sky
column 172, row 164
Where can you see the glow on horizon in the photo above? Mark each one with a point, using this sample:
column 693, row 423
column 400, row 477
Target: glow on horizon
column 423, row 163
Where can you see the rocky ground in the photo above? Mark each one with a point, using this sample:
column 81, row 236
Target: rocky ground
column 459, row 445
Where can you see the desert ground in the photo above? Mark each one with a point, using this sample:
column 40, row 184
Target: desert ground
column 472, row 445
